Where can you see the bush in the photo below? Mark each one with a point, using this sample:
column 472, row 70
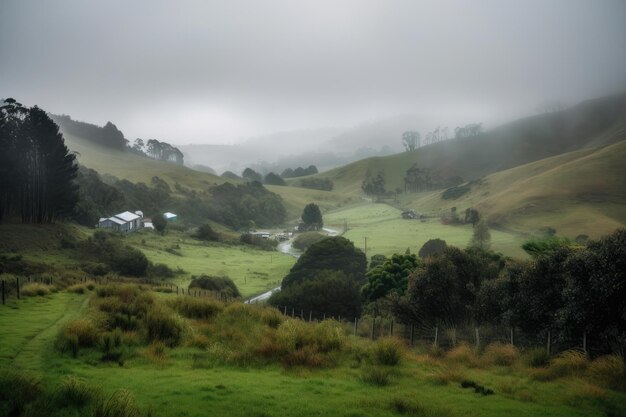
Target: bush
column 387, row 351
column 35, row 289
column 79, row 333
column 196, row 308
column 305, row 356
column 206, row 232
column 500, row 354
column 162, row 325
column 323, row 184
column 223, row 285
column 258, row 241
column 271, row 317
column 79, row 288
column 463, row 354
column 160, row 270
column 570, row 362
column 329, row 336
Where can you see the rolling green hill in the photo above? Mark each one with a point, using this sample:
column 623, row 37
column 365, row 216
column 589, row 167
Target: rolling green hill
column 590, row 124
column 581, row 192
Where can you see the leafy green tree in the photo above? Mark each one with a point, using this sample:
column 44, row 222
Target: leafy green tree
column 472, row 216
column 333, row 253
column 481, row 238
column 251, row 175
column 274, row 179
column 432, row 247
column 159, row 223
column 391, row 276
column 374, row 185
column 536, row 247
column 223, row 285
column 312, row 217
column 306, row 239
column 206, row 232
column 411, row 140
column 325, row 292
column 376, row 260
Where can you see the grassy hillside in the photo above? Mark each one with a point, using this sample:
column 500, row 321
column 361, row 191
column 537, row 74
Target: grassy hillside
column 591, row 124
column 137, row 168
column 582, row 192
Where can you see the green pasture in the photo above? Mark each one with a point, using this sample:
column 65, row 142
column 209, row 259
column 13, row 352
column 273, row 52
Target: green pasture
column 388, row 233
column 176, row 386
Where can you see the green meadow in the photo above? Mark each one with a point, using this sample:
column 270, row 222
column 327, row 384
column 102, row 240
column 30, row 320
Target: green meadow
column 388, row 233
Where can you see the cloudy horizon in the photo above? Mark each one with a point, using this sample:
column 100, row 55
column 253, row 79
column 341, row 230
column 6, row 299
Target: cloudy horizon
column 221, row 72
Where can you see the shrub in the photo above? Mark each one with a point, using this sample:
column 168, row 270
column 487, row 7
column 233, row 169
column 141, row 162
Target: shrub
column 160, row 270
column 329, row 336
column 196, row 308
column 609, row 371
column 206, row 232
column 306, row 356
column 464, row 354
column 162, row 325
column 387, row 351
column 536, row 358
column 35, row 289
column 500, row 354
column 306, row 239
column 74, row 391
column 223, row 285
column 376, row 376
column 78, row 288
column 258, row 241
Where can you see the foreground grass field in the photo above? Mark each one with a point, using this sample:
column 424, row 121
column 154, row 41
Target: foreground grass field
column 173, row 381
column 387, row 233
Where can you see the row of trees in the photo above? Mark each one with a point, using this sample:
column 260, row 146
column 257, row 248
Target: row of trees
column 107, row 135
column 568, row 290
column 37, row 170
column 161, row 151
column 299, row 172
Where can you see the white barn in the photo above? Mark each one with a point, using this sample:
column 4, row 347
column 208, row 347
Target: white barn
column 122, row 222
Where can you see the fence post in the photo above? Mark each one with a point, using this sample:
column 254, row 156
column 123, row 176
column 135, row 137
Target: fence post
column 356, row 323
column 585, row 343
column 512, row 340
column 436, row 335
column 477, row 338
column 412, row 330
column 293, row 312
column 3, row 293
column 302, row 314
column 391, row 328
column 285, row 311
column 373, row 323
column 310, row 315
column 17, row 286
column 324, row 316
column 549, row 344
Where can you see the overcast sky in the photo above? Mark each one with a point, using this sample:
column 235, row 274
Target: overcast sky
column 215, row 72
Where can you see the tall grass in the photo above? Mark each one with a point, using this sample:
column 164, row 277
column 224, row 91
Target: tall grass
column 36, row 289
column 387, row 351
column 161, row 324
column 196, row 308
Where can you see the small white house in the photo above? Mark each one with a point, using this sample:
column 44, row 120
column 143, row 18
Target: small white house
column 122, row 222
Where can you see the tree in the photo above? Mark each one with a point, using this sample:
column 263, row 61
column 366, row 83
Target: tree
column 432, row 247
column 274, row 179
column 411, row 140
column 206, row 232
column 223, row 285
column 38, row 170
column 472, row 216
column 536, row 247
column 374, row 185
column 312, row 217
column 159, row 223
column 333, row 253
column 326, row 292
column 376, row 260
column 251, row 175
column 481, row 238
column 391, row 276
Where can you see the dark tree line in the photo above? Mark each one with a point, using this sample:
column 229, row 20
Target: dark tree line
column 161, row 151
column 299, row 172
column 37, row 170
column 108, row 135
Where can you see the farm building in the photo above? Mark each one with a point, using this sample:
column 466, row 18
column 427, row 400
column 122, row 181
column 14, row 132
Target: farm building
column 169, row 216
column 122, row 222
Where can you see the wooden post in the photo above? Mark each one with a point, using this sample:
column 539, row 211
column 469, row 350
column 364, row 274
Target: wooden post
column 324, row 316
column 302, row 314
column 436, row 335
column 412, row 332
column 391, row 328
column 293, row 312
column 549, row 344
column 339, row 319
column 356, row 323
column 512, row 340
column 477, row 339
column 17, row 286
column 585, row 343
column 310, row 315
column 3, row 293
column 285, row 311
column 373, row 324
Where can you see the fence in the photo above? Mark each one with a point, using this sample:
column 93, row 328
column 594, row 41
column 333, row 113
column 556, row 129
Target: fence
column 449, row 336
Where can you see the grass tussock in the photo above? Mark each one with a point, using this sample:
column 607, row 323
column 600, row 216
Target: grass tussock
column 162, row 325
column 387, row 351
column 376, row 376
column 81, row 288
column 77, row 334
column 75, row 391
column 536, row 358
column 463, row 354
column 17, row 390
column 609, row 371
column 447, row 375
column 36, row 289
column 196, row 308
column 500, row 354
column 119, row 404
